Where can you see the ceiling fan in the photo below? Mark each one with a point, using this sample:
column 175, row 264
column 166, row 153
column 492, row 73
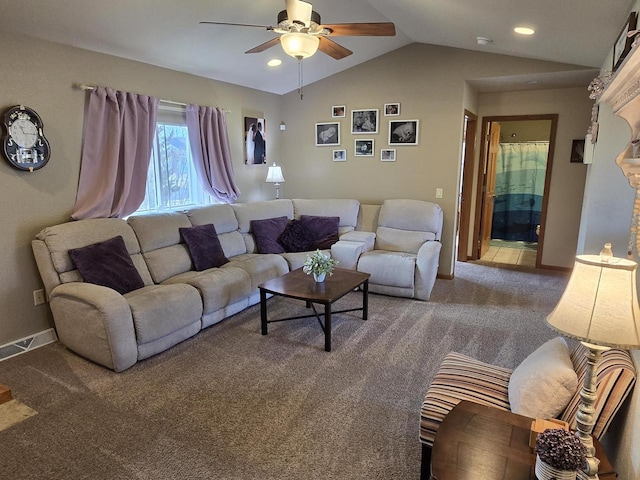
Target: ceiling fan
column 302, row 33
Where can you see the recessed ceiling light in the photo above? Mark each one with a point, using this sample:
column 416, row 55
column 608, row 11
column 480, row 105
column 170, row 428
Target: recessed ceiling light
column 524, row 30
column 274, row 62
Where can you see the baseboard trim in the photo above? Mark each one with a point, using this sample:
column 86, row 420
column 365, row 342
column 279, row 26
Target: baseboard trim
column 26, row 344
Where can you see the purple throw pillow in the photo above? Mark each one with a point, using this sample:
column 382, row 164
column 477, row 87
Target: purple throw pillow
column 204, row 246
column 266, row 233
column 324, row 230
column 108, row 264
column 296, row 237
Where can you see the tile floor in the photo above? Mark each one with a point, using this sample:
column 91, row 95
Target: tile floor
column 510, row 256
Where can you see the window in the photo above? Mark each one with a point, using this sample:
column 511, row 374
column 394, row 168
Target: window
column 172, row 183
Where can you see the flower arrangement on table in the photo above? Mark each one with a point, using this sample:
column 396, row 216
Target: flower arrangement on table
column 561, row 449
column 319, row 264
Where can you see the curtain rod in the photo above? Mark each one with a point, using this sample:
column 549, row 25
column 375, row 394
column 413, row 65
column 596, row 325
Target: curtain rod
column 82, row 86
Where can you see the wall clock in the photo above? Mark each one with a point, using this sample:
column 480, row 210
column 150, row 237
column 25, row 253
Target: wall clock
column 24, row 145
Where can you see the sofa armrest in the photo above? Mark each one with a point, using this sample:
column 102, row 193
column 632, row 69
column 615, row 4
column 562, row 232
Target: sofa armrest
column 347, row 253
column 350, row 246
column 95, row 322
column 367, row 238
column 426, row 269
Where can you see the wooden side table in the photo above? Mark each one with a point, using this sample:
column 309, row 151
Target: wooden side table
column 475, row 441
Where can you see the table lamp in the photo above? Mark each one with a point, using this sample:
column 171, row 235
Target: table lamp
column 275, row 176
column 600, row 308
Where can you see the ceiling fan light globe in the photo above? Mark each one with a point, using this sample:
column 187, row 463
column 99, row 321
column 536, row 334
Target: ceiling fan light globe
column 299, row 45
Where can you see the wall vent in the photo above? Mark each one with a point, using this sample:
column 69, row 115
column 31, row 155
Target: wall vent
column 28, row 343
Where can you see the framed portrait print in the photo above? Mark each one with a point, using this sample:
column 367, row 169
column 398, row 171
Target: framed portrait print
column 339, row 155
column 391, row 109
column 255, row 148
column 364, row 121
column 388, row 155
column 403, row 132
column 338, row 111
column 327, row 134
column 577, row 151
column 364, row 148
column 623, row 44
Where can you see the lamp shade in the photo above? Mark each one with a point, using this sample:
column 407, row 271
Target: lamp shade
column 600, row 303
column 299, row 45
column 274, row 175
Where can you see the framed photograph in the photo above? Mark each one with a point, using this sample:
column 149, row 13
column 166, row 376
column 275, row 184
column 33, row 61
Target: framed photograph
column 623, row 44
column 403, row 132
column 255, row 142
column 364, row 148
column 339, row 155
column 327, row 134
column 338, row 111
column 364, row 121
column 388, row 155
column 391, row 109
column 577, row 151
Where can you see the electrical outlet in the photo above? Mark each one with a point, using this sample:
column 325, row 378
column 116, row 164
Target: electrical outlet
column 38, row 297
column 438, row 193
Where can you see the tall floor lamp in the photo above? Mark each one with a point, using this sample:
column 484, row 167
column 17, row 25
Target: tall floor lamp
column 274, row 175
column 600, row 308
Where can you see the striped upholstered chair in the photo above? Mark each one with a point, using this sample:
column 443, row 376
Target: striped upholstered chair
column 463, row 378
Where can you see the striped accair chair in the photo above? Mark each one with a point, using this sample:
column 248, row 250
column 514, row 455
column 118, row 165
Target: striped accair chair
column 463, row 378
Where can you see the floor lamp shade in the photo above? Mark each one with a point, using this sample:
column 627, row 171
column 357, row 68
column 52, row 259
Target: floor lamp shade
column 600, row 303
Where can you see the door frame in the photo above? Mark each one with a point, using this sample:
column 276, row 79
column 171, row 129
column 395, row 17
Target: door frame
column 466, row 191
column 481, row 178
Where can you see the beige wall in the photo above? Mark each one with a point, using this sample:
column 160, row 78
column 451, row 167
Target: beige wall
column 573, row 107
column 430, row 84
column 41, row 75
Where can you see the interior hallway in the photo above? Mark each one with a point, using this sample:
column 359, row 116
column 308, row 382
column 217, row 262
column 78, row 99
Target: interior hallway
column 510, row 256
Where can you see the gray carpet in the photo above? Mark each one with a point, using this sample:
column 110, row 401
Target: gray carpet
column 232, row 404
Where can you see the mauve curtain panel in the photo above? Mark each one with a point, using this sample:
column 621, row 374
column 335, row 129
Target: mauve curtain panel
column 118, row 137
column 209, row 142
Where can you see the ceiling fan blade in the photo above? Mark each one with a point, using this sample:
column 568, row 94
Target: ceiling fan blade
column 299, row 11
column 237, row 24
column 377, row 29
column 261, row 48
column 333, row 49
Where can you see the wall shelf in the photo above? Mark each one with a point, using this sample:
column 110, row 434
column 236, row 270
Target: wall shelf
column 622, row 93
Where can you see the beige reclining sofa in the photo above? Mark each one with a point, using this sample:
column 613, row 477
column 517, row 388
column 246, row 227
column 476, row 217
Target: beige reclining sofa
column 170, row 300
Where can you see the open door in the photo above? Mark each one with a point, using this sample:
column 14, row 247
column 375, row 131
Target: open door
column 489, row 193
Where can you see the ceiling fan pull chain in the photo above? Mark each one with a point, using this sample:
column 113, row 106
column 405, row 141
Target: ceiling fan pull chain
column 300, row 77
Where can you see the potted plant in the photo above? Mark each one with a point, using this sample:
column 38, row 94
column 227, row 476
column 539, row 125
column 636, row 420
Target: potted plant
column 559, row 455
column 319, row 264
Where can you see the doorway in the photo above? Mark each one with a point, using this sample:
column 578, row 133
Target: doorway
column 512, row 189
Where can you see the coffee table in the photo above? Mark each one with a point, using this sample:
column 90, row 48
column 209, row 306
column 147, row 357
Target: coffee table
column 299, row 285
column 475, row 441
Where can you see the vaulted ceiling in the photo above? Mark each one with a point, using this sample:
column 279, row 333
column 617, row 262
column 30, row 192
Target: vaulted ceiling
column 167, row 32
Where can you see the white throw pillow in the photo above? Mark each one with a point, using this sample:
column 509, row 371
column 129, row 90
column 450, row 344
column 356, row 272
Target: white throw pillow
column 543, row 384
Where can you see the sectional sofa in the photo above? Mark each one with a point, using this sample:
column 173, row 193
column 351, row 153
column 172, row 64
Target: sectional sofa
column 155, row 288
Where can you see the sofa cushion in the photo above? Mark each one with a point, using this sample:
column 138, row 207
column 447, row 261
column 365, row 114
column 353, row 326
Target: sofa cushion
column 324, row 230
column 543, row 384
column 204, row 246
column 296, row 237
column 108, row 264
column 266, row 233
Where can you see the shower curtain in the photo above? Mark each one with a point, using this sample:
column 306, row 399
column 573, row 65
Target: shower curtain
column 520, row 175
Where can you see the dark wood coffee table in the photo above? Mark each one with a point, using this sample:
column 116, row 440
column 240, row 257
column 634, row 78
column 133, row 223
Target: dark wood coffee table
column 475, row 441
column 299, row 285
